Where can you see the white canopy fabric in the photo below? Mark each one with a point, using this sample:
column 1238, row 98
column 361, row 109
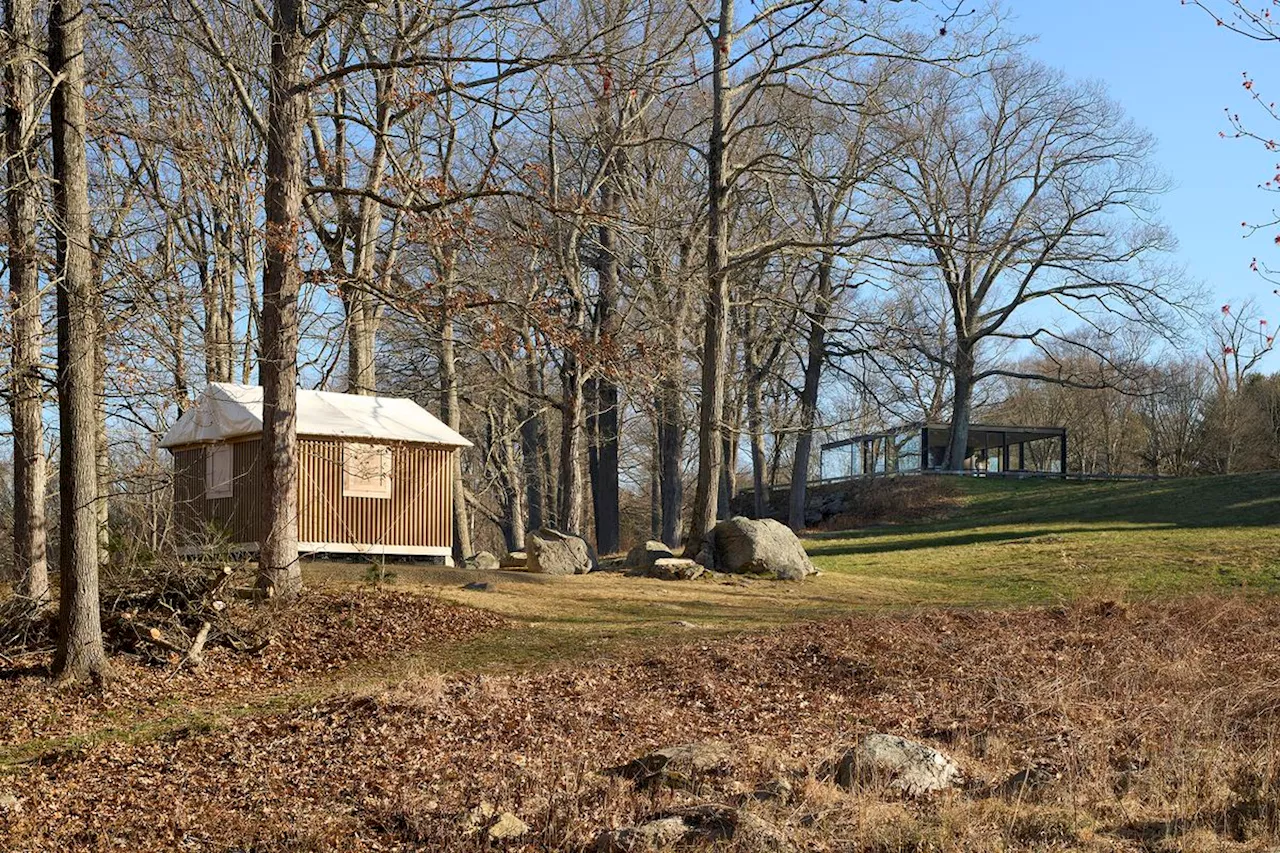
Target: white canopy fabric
column 226, row 411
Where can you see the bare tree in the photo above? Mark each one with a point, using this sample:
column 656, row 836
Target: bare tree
column 279, row 571
column 1027, row 189
column 80, row 652
column 26, row 394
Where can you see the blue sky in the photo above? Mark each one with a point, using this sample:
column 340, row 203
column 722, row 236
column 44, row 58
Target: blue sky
column 1174, row 71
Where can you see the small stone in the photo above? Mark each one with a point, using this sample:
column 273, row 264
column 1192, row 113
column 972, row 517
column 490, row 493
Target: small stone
column 514, row 560
column 778, row 788
column 480, row 586
column 644, row 555
column 484, row 561
column 906, row 766
column 654, row 834
column 682, row 766
column 507, row 826
column 675, row 569
column 478, row 818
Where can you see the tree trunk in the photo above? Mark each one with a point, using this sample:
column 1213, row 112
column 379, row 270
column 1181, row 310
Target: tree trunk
column 462, row 548
column 755, row 425
column 604, row 428
column 670, row 445
column 279, row 573
column 29, row 535
column 716, row 330
column 962, row 395
column 571, row 429
column 817, row 357
column 80, row 653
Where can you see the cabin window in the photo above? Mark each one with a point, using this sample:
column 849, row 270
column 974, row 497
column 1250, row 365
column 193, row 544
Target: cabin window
column 218, row 472
column 366, row 471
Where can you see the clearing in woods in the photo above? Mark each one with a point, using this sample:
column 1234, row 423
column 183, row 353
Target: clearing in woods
column 1113, row 642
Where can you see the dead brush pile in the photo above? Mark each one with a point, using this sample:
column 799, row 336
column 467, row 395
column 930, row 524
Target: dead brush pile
column 188, row 636
column 1095, row 727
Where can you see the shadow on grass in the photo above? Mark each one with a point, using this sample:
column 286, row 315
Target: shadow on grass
column 845, row 543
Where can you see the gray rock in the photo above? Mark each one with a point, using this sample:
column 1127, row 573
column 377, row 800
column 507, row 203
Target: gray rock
column 480, row 586
column 685, row 765
column 514, row 560
column 651, row 835
column 646, row 554
column 758, row 546
column 483, row 561
column 707, row 823
column 506, row 827
column 674, row 569
column 554, row 553
column 909, row 767
column 1027, row 782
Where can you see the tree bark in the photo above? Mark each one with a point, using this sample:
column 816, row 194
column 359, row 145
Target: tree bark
column 80, row 652
column 462, row 548
column 604, row 416
column 569, row 514
column 961, row 400
column 716, row 329
column 755, row 425
column 279, row 573
column 29, row 533
column 670, row 445
column 817, row 357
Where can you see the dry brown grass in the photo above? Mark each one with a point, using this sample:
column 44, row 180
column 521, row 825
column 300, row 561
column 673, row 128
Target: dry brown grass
column 1154, row 727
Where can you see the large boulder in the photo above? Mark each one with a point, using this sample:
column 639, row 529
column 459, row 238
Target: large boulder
column 554, row 553
column 756, row 546
column 646, row 554
column 906, row 766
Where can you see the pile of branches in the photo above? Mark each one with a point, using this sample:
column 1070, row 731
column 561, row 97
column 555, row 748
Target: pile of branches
column 171, row 613
column 26, row 626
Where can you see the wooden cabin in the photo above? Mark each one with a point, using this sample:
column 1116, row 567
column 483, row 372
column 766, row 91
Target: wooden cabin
column 374, row 474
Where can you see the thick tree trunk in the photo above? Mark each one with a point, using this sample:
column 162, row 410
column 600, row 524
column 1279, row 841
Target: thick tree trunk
column 716, row 329
column 462, row 548
column 571, row 430
column 26, row 409
column 962, row 396
column 279, row 573
column 604, row 416
column 655, row 480
column 755, row 425
column 512, row 476
column 817, row 357
column 80, row 652
column 670, row 447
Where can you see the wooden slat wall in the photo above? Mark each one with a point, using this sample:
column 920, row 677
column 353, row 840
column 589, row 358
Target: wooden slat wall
column 417, row 513
column 236, row 517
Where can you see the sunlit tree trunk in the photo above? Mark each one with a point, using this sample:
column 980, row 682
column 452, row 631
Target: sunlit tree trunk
column 716, row 329
column 26, row 396
column 279, row 573
column 80, row 652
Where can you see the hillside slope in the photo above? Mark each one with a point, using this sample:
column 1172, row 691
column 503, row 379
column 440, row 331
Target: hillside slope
column 1024, row 541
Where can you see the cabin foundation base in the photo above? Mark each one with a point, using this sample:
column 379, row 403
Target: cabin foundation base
column 340, row 548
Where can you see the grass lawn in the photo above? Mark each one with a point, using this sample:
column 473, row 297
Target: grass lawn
column 1005, row 543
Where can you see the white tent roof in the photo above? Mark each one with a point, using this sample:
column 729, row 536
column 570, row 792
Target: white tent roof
column 226, row 411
